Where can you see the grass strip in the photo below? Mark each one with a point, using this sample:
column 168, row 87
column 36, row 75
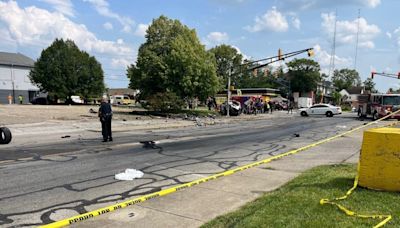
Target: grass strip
column 296, row 204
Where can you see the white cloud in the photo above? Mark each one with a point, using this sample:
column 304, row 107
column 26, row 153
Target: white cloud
column 102, row 7
column 141, row 30
column 367, row 44
column 217, row 37
column 122, row 62
column 108, row 26
column 240, row 52
column 325, row 4
column 120, row 41
column 296, row 22
column 389, row 35
column 272, row 20
column 346, row 31
column 32, row 26
column 371, row 3
column 396, row 33
column 324, row 59
column 63, row 6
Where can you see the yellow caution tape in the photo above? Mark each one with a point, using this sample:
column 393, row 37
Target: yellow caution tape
column 386, row 218
column 104, row 210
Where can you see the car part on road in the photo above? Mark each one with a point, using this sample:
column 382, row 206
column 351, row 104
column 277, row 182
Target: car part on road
column 129, row 174
column 5, row 135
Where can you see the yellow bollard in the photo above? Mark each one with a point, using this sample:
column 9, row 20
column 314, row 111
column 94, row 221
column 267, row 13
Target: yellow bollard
column 380, row 159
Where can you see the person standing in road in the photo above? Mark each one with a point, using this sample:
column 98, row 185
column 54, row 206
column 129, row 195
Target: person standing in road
column 290, row 107
column 21, row 99
column 105, row 115
column 271, row 106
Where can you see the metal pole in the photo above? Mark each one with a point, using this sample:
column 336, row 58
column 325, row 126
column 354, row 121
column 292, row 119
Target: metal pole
column 12, row 82
column 229, row 92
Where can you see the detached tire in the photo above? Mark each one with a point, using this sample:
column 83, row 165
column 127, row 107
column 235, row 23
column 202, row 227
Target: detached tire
column 5, row 135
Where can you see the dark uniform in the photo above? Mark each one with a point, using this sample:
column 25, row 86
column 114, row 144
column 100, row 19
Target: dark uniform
column 105, row 114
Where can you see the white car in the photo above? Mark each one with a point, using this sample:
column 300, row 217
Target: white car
column 321, row 109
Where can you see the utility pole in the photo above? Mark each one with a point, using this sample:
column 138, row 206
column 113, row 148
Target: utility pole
column 229, row 91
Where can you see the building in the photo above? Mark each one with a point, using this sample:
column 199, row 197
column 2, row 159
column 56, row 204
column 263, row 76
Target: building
column 325, row 89
column 122, row 91
column 14, row 80
column 350, row 96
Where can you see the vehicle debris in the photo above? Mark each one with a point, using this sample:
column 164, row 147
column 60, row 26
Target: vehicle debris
column 129, row 174
column 5, row 135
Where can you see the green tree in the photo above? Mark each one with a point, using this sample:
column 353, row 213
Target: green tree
column 346, row 78
column 258, row 78
column 336, row 97
column 369, row 84
column 63, row 70
column 303, row 75
column 227, row 57
column 172, row 60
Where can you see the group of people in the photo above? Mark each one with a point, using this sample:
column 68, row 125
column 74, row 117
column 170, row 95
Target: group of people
column 10, row 99
column 254, row 106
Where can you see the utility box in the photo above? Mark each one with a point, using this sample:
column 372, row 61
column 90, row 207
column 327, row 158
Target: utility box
column 380, row 159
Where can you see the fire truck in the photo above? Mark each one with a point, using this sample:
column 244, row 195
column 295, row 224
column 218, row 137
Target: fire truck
column 378, row 105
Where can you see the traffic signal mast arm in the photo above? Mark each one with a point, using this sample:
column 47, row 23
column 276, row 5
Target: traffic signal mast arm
column 277, row 58
column 386, row 75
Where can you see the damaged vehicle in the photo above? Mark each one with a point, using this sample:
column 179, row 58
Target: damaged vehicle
column 235, row 108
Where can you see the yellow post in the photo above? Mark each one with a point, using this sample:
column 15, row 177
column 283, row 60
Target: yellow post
column 380, row 159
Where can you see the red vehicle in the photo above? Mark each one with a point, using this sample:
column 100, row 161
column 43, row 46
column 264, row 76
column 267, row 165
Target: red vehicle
column 378, row 105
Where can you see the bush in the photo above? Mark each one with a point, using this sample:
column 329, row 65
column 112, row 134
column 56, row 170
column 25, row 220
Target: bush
column 164, row 102
column 346, row 107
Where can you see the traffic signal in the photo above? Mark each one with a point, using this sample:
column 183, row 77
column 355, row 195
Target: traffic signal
column 280, row 54
column 310, row 52
column 398, row 75
column 372, row 75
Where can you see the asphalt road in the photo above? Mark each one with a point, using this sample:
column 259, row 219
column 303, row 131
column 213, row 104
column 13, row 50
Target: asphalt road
column 46, row 182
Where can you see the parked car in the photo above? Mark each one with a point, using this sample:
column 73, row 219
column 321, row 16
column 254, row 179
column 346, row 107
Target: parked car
column 234, row 108
column 77, row 100
column 321, row 109
column 39, row 101
column 120, row 100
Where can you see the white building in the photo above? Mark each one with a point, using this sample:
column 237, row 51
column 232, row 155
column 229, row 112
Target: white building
column 14, row 80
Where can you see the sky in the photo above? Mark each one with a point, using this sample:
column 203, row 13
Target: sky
column 113, row 30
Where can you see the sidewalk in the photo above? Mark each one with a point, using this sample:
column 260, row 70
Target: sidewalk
column 196, row 205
